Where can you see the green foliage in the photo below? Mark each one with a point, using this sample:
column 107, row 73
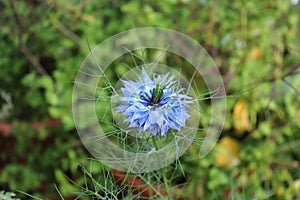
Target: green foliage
column 20, row 176
column 254, row 43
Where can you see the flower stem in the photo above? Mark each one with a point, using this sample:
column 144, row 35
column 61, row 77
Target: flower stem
column 163, row 171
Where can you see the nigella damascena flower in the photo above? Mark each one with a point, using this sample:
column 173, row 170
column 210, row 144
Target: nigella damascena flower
column 155, row 105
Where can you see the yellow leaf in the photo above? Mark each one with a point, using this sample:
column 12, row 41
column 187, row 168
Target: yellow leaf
column 255, row 53
column 89, row 18
column 226, row 153
column 241, row 122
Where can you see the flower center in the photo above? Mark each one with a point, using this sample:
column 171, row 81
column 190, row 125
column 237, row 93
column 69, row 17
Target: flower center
column 156, row 94
column 154, row 98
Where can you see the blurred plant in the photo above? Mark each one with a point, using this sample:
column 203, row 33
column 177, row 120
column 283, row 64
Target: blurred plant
column 7, row 107
column 8, row 196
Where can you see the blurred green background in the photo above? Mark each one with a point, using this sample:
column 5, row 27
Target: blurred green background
column 255, row 44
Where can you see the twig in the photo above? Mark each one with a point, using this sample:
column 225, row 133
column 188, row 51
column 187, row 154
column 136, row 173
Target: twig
column 293, row 69
column 32, row 59
column 202, row 28
column 291, row 86
column 67, row 32
column 22, row 47
column 18, row 17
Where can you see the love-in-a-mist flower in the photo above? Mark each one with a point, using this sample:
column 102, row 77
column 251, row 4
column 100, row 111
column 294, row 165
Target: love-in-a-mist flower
column 154, row 105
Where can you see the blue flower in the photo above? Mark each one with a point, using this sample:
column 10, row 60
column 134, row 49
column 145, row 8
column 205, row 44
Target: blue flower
column 155, row 105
